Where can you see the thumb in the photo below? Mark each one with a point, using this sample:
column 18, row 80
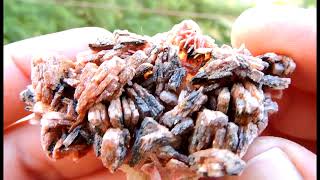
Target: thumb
column 276, row 158
column 283, row 30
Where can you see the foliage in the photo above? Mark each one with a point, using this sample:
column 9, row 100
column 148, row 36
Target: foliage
column 28, row 18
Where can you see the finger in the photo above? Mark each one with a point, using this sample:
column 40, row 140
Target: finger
column 24, row 155
column 311, row 145
column 17, row 62
column 297, row 115
column 271, row 164
column 284, row 30
column 104, row 174
column 277, row 158
column 14, row 82
column 67, row 43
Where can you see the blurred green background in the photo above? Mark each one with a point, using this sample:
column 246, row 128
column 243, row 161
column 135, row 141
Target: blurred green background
column 28, row 18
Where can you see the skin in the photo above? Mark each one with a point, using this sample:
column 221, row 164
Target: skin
column 290, row 155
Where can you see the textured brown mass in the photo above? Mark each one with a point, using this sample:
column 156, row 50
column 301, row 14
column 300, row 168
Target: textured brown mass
column 171, row 106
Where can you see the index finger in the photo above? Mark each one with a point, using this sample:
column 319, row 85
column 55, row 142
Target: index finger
column 284, row 30
column 17, row 62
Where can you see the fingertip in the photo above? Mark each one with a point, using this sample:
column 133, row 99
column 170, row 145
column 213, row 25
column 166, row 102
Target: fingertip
column 90, row 29
column 271, row 164
column 238, row 29
column 303, row 160
column 67, row 43
column 263, row 28
column 284, row 30
column 75, row 34
column 84, row 35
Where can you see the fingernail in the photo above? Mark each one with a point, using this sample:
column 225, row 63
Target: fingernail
column 273, row 164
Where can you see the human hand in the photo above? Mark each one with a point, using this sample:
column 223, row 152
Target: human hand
column 23, row 155
column 24, row 158
column 291, row 32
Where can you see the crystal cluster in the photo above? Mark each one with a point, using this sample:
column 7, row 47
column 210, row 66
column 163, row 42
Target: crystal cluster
column 175, row 103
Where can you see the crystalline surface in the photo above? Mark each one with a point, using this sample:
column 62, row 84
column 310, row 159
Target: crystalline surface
column 174, row 105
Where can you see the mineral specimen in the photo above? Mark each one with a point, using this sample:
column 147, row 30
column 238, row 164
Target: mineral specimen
column 171, row 106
